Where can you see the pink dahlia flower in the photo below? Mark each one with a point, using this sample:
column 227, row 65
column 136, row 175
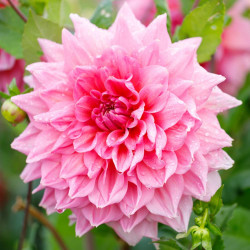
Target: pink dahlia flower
column 10, row 68
column 233, row 56
column 145, row 10
column 123, row 127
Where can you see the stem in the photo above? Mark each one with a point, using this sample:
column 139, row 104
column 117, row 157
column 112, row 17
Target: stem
column 89, row 241
column 125, row 246
column 196, row 3
column 212, row 64
column 204, row 218
column 20, row 205
column 19, row 13
column 26, row 216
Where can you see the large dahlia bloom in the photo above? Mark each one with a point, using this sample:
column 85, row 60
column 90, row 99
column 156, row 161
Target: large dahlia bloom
column 233, row 56
column 123, row 127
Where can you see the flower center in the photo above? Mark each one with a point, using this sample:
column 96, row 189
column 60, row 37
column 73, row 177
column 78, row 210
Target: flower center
column 113, row 112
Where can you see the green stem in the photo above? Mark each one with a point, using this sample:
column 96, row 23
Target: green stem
column 204, row 218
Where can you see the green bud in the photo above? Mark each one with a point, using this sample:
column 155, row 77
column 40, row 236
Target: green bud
column 199, row 207
column 196, row 237
column 12, row 113
column 206, row 240
column 198, row 220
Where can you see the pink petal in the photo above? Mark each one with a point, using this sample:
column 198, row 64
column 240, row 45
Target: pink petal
column 52, row 51
column 122, row 158
column 74, row 53
column 136, row 197
column 84, row 108
column 93, row 163
column 87, row 141
column 171, row 113
column 80, row 186
column 151, row 178
column 98, row 39
column 166, row 199
column 110, row 188
column 157, row 31
column 117, row 137
column 129, row 223
column 72, row 165
column 155, row 97
column 97, row 216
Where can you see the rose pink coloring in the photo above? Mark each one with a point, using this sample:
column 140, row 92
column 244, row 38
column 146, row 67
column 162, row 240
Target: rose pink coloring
column 232, row 58
column 10, row 68
column 123, row 127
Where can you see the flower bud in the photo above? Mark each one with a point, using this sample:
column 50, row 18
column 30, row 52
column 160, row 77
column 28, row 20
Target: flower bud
column 12, row 113
column 199, row 207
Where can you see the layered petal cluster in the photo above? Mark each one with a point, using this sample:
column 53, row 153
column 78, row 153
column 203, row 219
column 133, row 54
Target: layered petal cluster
column 145, row 10
column 123, row 127
column 10, row 68
column 233, row 56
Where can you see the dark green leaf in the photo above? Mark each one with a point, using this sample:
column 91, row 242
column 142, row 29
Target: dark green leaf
column 215, row 203
column 218, row 244
column 38, row 27
column 214, row 229
column 58, row 12
column 13, row 89
column 104, row 15
column 222, row 217
column 162, row 8
column 205, row 21
column 169, row 245
column 11, row 30
column 237, row 233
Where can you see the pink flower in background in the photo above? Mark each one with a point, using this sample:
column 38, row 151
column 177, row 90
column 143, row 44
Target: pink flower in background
column 123, row 127
column 233, row 56
column 10, row 68
column 145, row 11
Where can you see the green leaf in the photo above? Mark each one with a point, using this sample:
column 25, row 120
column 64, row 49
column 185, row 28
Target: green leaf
column 214, row 229
column 162, row 8
column 237, row 233
column 4, row 95
column 187, row 5
column 37, row 5
column 229, row 3
column 205, row 21
column 58, row 12
column 170, row 245
column 215, row 203
column 11, row 30
column 38, row 27
column 13, row 89
column 206, row 240
column 246, row 13
column 104, row 15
